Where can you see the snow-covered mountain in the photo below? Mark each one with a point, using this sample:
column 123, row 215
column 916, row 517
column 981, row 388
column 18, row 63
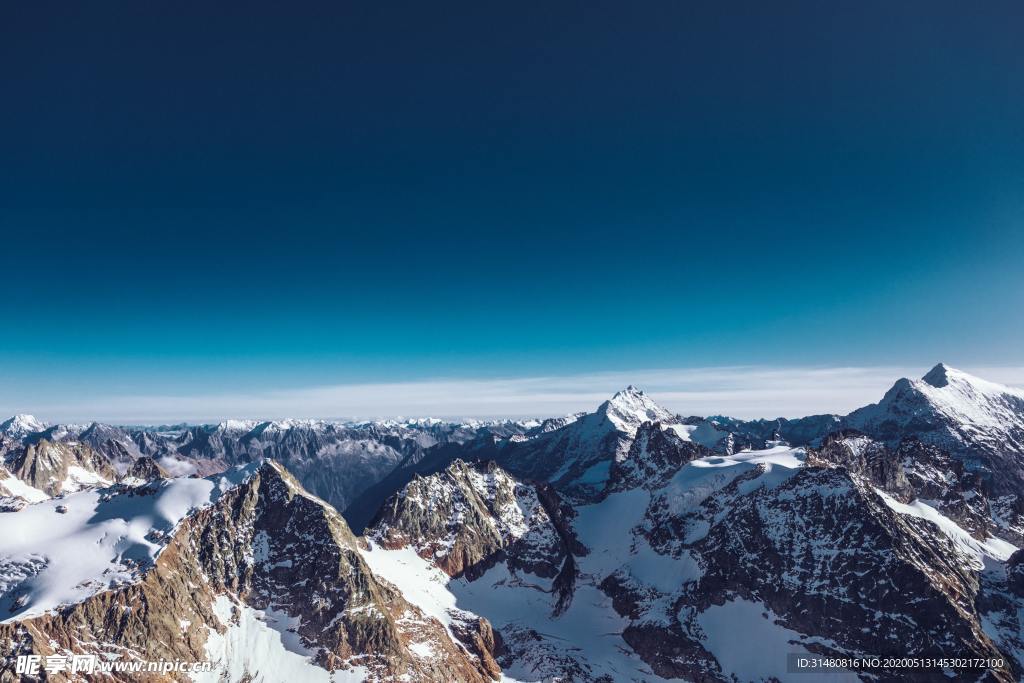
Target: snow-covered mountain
column 576, row 454
column 470, row 517
column 626, row 544
column 978, row 421
column 577, row 458
column 245, row 569
column 772, row 549
column 335, row 460
column 20, row 426
column 949, row 408
column 54, row 467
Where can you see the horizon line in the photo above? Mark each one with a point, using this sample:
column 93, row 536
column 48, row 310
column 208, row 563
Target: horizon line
column 742, row 391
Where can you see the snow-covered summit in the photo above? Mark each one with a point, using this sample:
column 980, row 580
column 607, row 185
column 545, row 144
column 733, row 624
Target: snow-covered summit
column 21, row 426
column 950, row 408
column 977, row 421
column 236, row 426
column 942, row 376
column 60, row 551
column 630, row 408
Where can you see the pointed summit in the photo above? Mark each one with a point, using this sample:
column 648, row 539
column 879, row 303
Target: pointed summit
column 950, row 380
column 630, row 394
column 958, row 412
column 631, row 407
column 938, row 376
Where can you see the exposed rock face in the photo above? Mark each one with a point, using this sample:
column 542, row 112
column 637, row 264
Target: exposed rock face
column 915, row 470
column 113, row 442
column 16, row 494
column 336, row 461
column 575, row 454
column 689, row 546
column 656, row 454
column 1015, row 573
column 815, row 548
column 862, row 455
column 469, row 517
column 146, row 469
column 264, row 545
column 976, row 421
column 475, row 522
column 737, row 435
column 784, row 530
column 61, row 467
column 962, row 495
column 577, row 458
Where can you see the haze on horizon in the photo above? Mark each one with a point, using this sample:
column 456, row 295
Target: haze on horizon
column 744, row 392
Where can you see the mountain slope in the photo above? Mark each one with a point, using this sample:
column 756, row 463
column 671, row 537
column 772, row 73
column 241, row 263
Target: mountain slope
column 949, row 408
column 978, row 422
column 259, row 555
column 550, row 627
column 56, row 467
column 575, row 454
column 336, row 461
column 577, row 458
column 20, row 426
column 468, row 517
column 666, row 571
column 626, row 544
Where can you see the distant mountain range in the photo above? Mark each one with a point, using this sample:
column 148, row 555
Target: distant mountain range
column 626, row 544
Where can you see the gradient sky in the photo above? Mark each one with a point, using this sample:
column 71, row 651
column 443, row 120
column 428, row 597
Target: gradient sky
column 201, row 200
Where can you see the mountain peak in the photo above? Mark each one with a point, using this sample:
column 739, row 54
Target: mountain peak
column 21, row 425
column 630, row 394
column 631, row 407
column 234, row 426
column 938, row 376
column 948, row 408
column 958, row 381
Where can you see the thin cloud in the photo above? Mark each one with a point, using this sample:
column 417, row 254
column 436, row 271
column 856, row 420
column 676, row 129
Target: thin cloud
column 745, row 392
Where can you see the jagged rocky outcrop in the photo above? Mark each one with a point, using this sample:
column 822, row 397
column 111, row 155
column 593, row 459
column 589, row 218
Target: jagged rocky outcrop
column 146, row 469
column 868, row 458
column 657, row 453
column 577, row 458
column 481, row 529
column 821, row 553
column 916, row 470
column 469, row 517
column 575, row 454
column 729, row 435
column 57, row 467
column 16, row 494
column 337, row 461
column 264, row 547
column 800, row 552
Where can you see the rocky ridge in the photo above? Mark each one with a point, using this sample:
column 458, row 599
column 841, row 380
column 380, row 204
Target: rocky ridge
column 264, row 554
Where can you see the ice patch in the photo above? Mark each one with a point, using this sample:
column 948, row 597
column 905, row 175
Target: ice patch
column 421, row 583
column 95, row 544
column 259, row 647
column 748, row 644
column 976, row 550
column 16, row 487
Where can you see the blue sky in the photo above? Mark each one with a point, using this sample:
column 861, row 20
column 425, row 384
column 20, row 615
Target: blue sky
column 203, row 202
